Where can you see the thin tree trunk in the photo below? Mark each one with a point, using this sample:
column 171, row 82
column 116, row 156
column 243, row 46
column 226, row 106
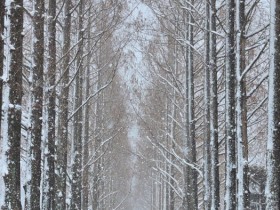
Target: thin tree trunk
column 273, row 141
column 62, row 144
column 13, row 63
column 37, row 102
column 193, row 173
column 2, row 17
column 76, row 188
column 86, row 136
column 207, row 120
column 244, row 106
column 215, row 183
column 230, row 202
column 51, row 104
column 239, row 129
column 187, row 187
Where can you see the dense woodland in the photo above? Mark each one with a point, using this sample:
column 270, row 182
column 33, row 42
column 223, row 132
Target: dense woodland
column 152, row 104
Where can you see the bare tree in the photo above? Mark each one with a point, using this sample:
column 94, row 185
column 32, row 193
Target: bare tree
column 230, row 202
column 273, row 143
column 13, row 98
column 52, row 103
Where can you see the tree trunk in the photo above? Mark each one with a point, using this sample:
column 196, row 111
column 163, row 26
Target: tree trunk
column 13, row 77
column 207, row 121
column 76, row 189
column 37, row 101
column 86, row 135
column 273, row 142
column 230, row 202
column 51, row 105
column 239, row 126
column 2, row 17
column 215, row 183
column 193, row 173
column 62, row 144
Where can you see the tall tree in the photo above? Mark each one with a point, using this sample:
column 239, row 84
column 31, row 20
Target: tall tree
column 2, row 17
column 51, row 104
column 207, row 140
column 76, row 188
column 273, row 141
column 239, row 130
column 214, row 142
column 230, row 202
column 86, row 139
column 13, row 92
column 62, row 142
column 37, row 100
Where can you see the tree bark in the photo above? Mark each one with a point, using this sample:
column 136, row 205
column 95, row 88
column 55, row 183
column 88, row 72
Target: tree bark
column 215, row 182
column 207, row 120
column 76, row 189
column 37, row 101
column 85, row 187
column 51, row 104
column 230, row 202
column 273, row 141
column 2, row 17
column 13, row 63
column 62, row 144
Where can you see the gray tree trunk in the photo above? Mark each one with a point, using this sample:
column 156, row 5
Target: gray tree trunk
column 62, row 144
column 215, row 183
column 37, row 101
column 51, row 104
column 13, row 64
column 230, row 197
column 76, row 188
column 273, row 142
column 2, row 17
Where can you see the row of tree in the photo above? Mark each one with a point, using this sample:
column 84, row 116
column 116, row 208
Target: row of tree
column 62, row 111
column 206, row 108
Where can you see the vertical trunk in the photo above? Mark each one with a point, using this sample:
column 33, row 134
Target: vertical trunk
column 273, row 141
column 207, row 157
column 51, row 105
column 37, row 101
column 194, row 173
column 86, row 136
column 62, row 143
column 244, row 106
column 98, row 151
column 187, row 154
column 13, row 77
column 2, row 17
column 230, row 202
column 167, row 167
column 76, row 188
column 215, row 184
column 239, row 138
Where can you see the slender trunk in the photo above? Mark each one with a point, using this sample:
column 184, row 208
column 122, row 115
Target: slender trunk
column 239, row 137
column 244, row 107
column 187, row 170
column 215, row 183
column 230, row 202
column 13, row 77
column 207, row 121
column 51, row 105
column 62, row 144
column 86, row 136
column 273, row 141
column 167, row 166
column 76, row 188
column 37, row 102
column 2, row 17
column 193, row 174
